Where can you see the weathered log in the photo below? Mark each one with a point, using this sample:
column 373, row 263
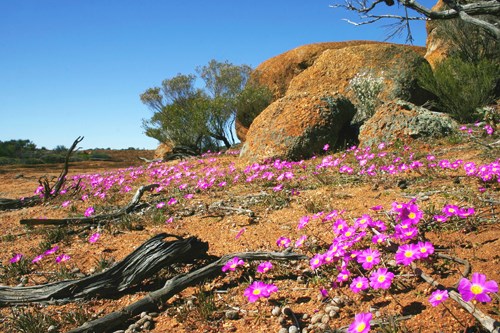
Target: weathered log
column 142, row 263
column 153, row 300
column 6, row 204
column 94, row 219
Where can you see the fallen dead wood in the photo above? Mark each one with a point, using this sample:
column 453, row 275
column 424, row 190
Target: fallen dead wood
column 48, row 191
column 94, row 219
column 154, row 300
column 142, row 263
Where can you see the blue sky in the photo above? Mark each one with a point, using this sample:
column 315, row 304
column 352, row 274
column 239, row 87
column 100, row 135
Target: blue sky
column 77, row 67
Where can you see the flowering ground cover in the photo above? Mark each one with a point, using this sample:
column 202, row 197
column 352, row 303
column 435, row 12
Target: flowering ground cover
column 370, row 220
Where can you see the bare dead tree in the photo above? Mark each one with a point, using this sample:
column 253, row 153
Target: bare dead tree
column 48, row 192
column 52, row 191
column 472, row 12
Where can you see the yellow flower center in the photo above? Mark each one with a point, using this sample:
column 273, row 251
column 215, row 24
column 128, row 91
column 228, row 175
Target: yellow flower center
column 316, row 261
column 256, row 292
column 369, row 259
column 412, row 215
column 381, row 278
column 438, row 297
column 359, row 285
column 476, row 289
column 340, row 226
column 408, row 254
column 362, row 221
column 348, row 233
column 360, row 327
column 233, row 266
column 423, row 250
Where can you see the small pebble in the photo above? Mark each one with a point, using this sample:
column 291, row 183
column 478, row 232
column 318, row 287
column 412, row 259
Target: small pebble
column 305, row 316
column 316, row 318
column 301, row 279
column 283, row 330
column 325, row 319
column 146, row 326
column 51, row 328
column 293, row 329
column 323, row 326
column 143, row 314
column 276, row 311
column 304, row 330
column 333, row 314
column 232, row 315
column 119, row 331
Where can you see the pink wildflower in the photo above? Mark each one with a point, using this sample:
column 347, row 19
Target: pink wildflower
column 406, row 253
column 300, row 241
column 89, row 211
column 368, row 258
column 16, row 258
column 438, row 297
column 477, row 288
column 381, row 279
column 232, row 264
column 62, row 258
column 361, row 323
column 94, row 237
column 283, row 242
column 425, row 249
column 358, row 284
column 264, row 267
column 259, row 289
column 316, row 261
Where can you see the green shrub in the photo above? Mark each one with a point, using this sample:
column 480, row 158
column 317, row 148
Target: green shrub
column 461, row 86
column 251, row 102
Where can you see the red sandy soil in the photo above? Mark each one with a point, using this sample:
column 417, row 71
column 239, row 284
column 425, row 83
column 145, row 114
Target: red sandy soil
column 475, row 239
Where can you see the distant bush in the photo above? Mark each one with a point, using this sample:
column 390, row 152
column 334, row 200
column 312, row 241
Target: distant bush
column 461, row 86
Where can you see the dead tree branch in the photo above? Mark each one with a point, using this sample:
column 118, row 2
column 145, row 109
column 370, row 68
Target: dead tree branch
column 142, row 263
column 98, row 218
column 468, row 13
column 154, row 300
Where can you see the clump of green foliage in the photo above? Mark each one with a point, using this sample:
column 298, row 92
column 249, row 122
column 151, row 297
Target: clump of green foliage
column 469, row 78
column 251, row 102
column 201, row 119
column 461, row 86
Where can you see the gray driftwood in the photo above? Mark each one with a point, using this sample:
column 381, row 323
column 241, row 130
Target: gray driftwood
column 154, row 300
column 142, row 263
column 94, row 219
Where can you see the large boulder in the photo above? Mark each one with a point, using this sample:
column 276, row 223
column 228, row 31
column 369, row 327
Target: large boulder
column 277, row 72
column 328, row 75
column 327, row 68
column 296, row 126
column 437, row 46
column 403, row 120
